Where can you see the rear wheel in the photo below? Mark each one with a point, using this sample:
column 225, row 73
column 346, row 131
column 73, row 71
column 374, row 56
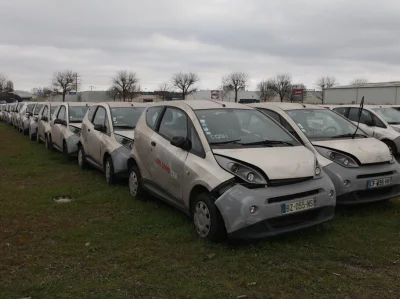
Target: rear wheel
column 109, row 171
column 48, row 144
column 207, row 218
column 81, row 158
column 65, row 151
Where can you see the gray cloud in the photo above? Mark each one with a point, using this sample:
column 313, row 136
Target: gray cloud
column 156, row 38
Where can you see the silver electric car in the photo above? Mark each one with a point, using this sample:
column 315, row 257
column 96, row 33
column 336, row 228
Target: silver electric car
column 107, row 136
column 361, row 167
column 33, row 121
column 230, row 167
column 24, row 116
column 66, row 127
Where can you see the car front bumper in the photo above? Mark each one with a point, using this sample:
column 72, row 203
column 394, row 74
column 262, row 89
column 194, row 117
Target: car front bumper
column 355, row 191
column 72, row 144
column 269, row 220
column 33, row 126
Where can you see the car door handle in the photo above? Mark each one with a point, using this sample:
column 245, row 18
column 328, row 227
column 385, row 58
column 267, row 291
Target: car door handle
column 88, row 130
column 153, row 143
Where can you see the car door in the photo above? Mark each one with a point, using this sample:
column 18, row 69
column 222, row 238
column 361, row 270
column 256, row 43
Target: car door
column 366, row 120
column 170, row 159
column 57, row 129
column 94, row 138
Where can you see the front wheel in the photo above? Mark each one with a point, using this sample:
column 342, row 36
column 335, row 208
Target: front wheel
column 81, row 158
column 207, row 219
column 135, row 184
column 392, row 147
column 48, row 144
column 109, row 171
column 37, row 137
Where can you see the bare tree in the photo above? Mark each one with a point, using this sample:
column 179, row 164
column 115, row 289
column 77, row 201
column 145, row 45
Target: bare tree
column 134, row 92
column 323, row 83
column 264, row 91
column 282, row 86
column 358, row 81
column 44, row 92
column 9, row 87
column 125, row 82
column 185, row 83
column 3, row 81
column 164, row 89
column 112, row 93
column 64, row 82
column 234, row 82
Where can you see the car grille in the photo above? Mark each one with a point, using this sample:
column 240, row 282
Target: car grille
column 284, row 182
column 374, row 175
column 294, row 219
column 293, row 196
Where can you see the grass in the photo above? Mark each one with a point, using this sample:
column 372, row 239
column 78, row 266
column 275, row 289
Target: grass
column 107, row 245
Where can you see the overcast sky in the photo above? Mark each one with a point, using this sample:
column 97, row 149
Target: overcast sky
column 157, row 38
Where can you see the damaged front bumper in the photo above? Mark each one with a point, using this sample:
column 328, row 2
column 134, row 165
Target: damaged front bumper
column 120, row 158
column 269, row 219
column 72, row 144
column 351, row 183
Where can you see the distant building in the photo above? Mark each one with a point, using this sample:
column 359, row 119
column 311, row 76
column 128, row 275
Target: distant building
column 373, row 93
column 102, row 96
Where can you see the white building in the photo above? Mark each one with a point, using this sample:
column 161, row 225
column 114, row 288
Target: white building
column 373, row 93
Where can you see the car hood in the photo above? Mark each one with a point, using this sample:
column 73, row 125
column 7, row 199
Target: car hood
column 126, row 133
column 366, row 150
column 276, row 162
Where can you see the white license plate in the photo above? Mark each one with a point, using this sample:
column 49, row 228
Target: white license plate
column 297, row 206
column 379, row 183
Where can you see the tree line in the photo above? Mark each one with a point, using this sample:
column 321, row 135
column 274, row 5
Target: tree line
column 125, row 85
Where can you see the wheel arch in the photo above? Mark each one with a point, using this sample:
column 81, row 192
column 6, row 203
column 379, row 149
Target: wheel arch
column 196, row 190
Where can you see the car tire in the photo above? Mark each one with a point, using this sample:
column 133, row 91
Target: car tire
column 82, row 158
column 135, row 183
column 392, row 147
column 37, row 137
column 207, row 219
column 65, row 151
column 48, row 144
column 30, row 136
column 109, row 171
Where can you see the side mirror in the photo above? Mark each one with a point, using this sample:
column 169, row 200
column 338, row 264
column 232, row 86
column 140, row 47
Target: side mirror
column 60, row 122
column 370, row 124
column 99, row 128
column 181, row 142
column 44, row 118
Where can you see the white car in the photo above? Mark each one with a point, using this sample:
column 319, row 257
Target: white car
column 361, row 168
column 45, row 116
column 24, row 116
column 33, row 121
column 66, row 127
column 373, row 124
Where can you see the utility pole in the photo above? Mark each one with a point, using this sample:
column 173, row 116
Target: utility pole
column 76, row 82
column 91, row 87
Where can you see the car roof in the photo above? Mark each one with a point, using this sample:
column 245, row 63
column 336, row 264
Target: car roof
column 287, row 106
column 78, row 104
column 203, row 104
column 125, row 104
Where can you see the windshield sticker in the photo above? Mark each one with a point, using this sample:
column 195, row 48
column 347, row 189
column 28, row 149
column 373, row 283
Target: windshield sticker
column 219, row 136
column 205, row 129
column 202, row 121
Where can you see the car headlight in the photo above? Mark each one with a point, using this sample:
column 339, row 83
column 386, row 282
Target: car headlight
column 75, row 130
column 337, row 157
column 127, row 142
column 244, row 172
column 318, row 171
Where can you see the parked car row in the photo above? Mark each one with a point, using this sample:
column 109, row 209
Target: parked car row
column 249, row 171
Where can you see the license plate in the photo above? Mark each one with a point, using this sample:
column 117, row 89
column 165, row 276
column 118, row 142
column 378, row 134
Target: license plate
column 297, row 206
column 378, row 183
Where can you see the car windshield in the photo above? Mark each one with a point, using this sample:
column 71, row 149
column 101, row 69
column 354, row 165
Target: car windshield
column 30, row 107
column 52, row 109
column 242, row 127
column 126, row 117
column 392, row 116
column 37, row 109
column 320, row 124
column 77, row 113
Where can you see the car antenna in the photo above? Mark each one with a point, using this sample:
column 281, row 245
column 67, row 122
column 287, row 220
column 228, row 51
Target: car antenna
column 359, row 116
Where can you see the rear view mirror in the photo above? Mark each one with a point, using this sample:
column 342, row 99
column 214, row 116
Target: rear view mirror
column 99, row 128
column 60, row 122
column 181, row 142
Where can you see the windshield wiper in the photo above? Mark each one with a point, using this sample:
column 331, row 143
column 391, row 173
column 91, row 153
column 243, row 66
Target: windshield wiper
column 124, row 127
column 75, row 121
column 236, row 141
column 349, row 135
column 269, row 143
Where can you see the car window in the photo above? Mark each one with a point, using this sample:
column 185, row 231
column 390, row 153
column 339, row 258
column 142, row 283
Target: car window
column 91, row 111
column 37, row 109
column 100, row 116
column 340, row 110
column 61, row 113
column 152, row 115
column 366, row 117
column 197, row 147
column 44, row 112
column 241, row 127
column 30, row 107
column 390, row 115
column 126, row 117
column 319, row 124
column 77, row 113
column 173, row 123
column 378, row 123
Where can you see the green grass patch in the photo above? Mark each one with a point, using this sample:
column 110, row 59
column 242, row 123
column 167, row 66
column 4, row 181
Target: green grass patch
column 105, row 244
